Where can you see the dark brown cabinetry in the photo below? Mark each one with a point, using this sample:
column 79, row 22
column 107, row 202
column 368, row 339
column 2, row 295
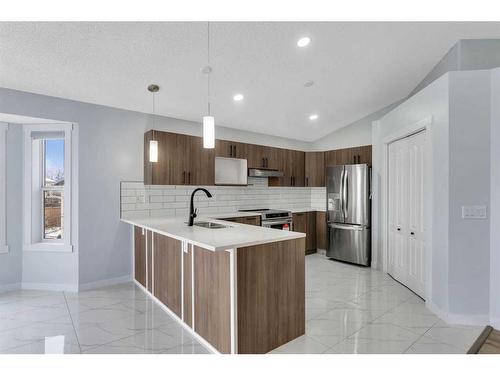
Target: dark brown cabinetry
column 250, row 220
column 291, row 163
column 182, row 160
column 230, row 149
column 168, row 276
column 305, row 222
column 354, row 155
column 140, row 255
column 314, row 169
column 321, row 232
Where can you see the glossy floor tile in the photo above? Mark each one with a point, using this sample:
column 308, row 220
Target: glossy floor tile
column 349, row 309
column 119, row 319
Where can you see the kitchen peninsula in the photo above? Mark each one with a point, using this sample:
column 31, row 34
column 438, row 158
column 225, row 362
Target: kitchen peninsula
column 239, row 287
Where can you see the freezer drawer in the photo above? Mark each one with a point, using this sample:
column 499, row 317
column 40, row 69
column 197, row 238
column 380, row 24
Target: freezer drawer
column 349, row 243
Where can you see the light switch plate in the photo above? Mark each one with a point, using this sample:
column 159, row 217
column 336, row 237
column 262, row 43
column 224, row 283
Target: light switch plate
column 474, row 212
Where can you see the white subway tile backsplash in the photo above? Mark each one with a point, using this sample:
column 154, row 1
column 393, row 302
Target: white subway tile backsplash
column 174, row 200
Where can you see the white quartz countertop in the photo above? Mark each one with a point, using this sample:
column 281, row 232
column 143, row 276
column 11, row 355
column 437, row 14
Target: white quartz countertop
column 306, row 209
column 234, row 236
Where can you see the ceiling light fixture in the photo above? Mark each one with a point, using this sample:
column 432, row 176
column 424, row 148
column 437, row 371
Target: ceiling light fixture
column 153, row 144
column 304, row 41
column 208, row 120
column 313, row 117
column 238, row 97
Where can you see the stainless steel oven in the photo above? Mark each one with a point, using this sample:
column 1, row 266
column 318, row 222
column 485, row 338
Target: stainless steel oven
column 276, row 219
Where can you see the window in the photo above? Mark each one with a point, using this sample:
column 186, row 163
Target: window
column 47, row 190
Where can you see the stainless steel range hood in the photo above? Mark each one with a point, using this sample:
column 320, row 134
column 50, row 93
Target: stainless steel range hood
column 260, row 172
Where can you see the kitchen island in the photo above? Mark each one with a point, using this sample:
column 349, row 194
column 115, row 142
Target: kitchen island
column 239, row 288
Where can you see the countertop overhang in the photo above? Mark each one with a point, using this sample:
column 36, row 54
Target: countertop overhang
column 234, row 236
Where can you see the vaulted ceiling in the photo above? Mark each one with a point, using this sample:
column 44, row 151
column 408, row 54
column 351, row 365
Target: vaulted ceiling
column 357, row 68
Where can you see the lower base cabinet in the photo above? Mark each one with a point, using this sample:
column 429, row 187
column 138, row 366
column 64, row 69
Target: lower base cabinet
column 248, row 300
column 305, row 222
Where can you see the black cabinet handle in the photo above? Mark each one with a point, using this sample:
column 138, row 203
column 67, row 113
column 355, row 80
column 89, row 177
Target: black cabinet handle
column 234, row 150
column 267, row 163
column 189, row 177
column 231, row 150
column 412, row 233
column 307, row 181
column 183, row 177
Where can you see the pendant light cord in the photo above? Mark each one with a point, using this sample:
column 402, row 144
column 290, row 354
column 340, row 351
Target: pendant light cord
column 208, row 63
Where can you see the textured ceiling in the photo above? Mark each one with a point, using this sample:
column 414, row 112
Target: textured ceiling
column 357, row 68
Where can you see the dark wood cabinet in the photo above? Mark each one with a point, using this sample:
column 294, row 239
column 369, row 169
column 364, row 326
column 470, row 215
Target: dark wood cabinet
column 314, row 169
column 182, row 160
column 250, row 220
column 230, row 149
column 292, row 164
column 353, row 155
column 140, row 255
column 168, row 278
column 306, row 222
column 321, row 232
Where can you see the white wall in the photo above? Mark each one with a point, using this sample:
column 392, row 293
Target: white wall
column 430, row 102
column 358, row 133
column 495, row 201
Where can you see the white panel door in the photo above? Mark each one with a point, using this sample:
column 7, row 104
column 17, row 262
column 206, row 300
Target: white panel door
column 406, row 229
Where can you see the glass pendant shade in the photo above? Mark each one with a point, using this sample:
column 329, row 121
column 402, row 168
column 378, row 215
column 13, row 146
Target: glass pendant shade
column 208, row 132
column 153, row 151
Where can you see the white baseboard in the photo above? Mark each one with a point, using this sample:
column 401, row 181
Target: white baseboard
column 51, row 287
column 107, row 282
column 10, row 287
column 450, row 318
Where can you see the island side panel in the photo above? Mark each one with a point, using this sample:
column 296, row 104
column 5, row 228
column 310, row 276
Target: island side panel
column 140, row 255
column 270, row 295
column 149, row 258
column 188, row 312
column 167, row 272
column 212, row 310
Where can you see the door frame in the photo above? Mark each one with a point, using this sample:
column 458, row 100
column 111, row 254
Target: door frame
column 406, row 131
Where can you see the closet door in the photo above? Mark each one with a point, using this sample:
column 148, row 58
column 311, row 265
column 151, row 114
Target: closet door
column 406, row 242
column 416, row 229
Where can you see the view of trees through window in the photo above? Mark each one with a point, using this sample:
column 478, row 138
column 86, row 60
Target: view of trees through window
column 53, row 188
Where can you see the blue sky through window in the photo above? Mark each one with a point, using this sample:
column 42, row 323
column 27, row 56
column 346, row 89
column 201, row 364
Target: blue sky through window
column 54, row 159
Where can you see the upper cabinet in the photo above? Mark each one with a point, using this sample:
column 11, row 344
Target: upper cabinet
column 314, row 169
column 182, row 160
column 354, row 155
column 291, row 163
column 230, row 149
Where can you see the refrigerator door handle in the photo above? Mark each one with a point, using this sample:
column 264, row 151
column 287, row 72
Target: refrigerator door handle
column 342, row 193
column 346, row 193
column 347, row 227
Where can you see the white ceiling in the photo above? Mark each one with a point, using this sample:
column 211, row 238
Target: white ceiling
column 357, row 68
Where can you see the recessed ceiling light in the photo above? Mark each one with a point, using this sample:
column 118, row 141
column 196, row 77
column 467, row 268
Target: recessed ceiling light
column 313, row 117
column 308, row 83
column 304, row 41
column 238, row 97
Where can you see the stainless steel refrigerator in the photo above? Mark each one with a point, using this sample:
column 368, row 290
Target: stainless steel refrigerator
column 349, row 213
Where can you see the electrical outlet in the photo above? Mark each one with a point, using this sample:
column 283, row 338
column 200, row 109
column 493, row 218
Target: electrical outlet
column 473, row 212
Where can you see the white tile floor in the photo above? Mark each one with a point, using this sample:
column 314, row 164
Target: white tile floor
column 349, row 309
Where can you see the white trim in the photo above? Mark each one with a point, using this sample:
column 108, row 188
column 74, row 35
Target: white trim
column 179, row 320
column 233, row 290
column 3, row 189
column 153, row 262
column 406, row 131
column 470, row 320
column 106, row 282
column 10, row 287
column 51, row 287
column 147, row 254
column 70, row 189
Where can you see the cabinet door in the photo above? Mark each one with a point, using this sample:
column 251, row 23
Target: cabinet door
column 366, row 155
column 140, row 255
column 311, row 232
column 321, row 233
column 255, row 156
column 149, row 260
column 314, row 169
column 298, row 166
column 167, row 272
column 300, row 222
column 201, row 163
column 332, row 158
column 170, row 169
column 223, row 148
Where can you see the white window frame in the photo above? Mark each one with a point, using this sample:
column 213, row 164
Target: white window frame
column 4, row 249
column 65, row 244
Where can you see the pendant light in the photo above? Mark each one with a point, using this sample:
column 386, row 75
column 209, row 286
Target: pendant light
column 153, row 144
column 208, row 120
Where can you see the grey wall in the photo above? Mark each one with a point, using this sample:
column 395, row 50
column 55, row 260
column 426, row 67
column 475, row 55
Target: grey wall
column 110, row 151
column 469, row 158
column 495, row 200
column 466, row 54
column 10, row 263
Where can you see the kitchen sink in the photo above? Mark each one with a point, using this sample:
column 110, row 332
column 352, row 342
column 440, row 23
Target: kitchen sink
column 210, row 225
